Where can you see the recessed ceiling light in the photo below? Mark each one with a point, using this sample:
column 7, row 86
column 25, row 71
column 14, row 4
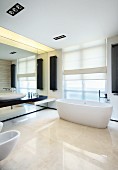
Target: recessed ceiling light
column 13, row 52
column 15, row 9
column 59, row 37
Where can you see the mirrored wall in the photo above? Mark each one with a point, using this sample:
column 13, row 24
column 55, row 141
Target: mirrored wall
column 24, row 57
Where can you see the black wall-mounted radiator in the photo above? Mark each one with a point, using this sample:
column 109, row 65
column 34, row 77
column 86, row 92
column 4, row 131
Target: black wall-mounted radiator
column 13, row 76
column 40, row 73
column 53, row 73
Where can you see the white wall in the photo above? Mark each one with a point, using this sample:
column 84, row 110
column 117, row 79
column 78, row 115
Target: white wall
column 46, row 76
column 113, row 98
column 58, row 93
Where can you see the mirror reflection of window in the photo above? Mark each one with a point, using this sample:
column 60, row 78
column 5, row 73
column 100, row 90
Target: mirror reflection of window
column 26, row 75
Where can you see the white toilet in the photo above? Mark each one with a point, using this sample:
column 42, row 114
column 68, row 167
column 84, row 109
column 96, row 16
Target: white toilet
column 8, row 141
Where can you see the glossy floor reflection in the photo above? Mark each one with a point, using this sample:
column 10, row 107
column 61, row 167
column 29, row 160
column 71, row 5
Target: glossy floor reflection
column 49, row 143
column 7, row 112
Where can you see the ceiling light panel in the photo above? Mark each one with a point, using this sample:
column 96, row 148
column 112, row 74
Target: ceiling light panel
column 13, row 39
column 15, row 9
column 59, row 37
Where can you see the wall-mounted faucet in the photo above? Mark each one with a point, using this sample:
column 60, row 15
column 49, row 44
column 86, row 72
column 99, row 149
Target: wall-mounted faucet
column 105, row 95
column 7, row 89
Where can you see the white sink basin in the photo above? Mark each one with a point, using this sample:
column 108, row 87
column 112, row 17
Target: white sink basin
column 11, row 96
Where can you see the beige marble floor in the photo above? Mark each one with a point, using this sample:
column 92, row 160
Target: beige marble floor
column 49, row 143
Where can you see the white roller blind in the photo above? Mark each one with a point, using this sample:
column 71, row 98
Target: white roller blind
column 27, row 75
column 93, row 57
column 31, row 65
column 86, row 71
column 72, row 60
column 26, row 65
column 94, row 76
column 21, row 66
column 86, row 58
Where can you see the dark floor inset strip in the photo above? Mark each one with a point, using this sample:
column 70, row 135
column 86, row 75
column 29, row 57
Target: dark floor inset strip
column 23, row 115
column 46, row 107
column 43, row 108
column 114, row 120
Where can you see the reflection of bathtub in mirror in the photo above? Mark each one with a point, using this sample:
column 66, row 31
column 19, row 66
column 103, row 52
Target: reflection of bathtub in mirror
column 11, row 96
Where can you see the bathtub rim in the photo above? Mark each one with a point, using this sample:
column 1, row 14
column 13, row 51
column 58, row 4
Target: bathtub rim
column 103, row 105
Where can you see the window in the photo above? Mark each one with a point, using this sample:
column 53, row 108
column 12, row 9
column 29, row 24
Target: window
column 26, row 75
column 27, row 84
column 85, row 73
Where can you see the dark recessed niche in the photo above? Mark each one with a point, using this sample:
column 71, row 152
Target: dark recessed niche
column 15, row 9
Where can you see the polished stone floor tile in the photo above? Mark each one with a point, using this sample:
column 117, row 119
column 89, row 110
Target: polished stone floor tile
column 50, row 143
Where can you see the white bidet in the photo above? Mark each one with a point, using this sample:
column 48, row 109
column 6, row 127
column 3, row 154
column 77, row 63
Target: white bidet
column 1, row 125
column 8, row 140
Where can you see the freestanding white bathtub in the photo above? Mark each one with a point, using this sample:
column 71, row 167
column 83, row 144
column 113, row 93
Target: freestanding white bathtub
column 88, row 113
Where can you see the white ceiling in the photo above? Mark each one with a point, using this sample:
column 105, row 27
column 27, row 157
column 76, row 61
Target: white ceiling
column 80, row 20
column 6, row 49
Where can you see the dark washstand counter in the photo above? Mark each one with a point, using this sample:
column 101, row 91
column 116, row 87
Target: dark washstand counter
column 5, row 103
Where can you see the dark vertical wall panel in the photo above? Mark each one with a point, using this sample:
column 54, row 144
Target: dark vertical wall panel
column 40, row 73
column 115, row 68
column 53, row 73
column 13, row 76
